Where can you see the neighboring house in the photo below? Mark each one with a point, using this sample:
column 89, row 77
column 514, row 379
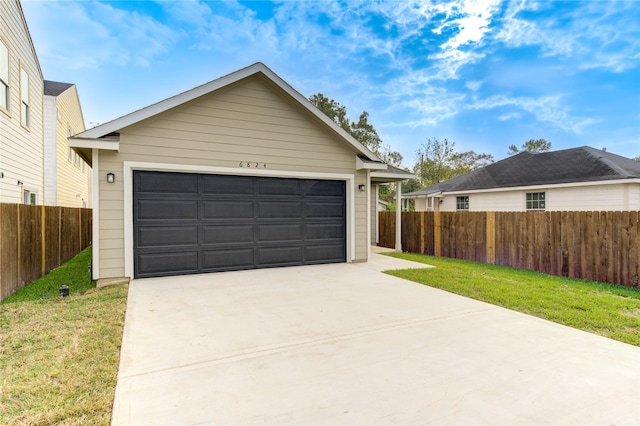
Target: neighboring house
column 240, row 173
column 579, row 179
column 67, row 176
column 21, row 106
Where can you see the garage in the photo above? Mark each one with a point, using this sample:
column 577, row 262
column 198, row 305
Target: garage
column 242, row 172
column 188, row 223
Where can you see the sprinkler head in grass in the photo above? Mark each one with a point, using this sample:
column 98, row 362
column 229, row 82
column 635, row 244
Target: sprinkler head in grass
column 64, row 291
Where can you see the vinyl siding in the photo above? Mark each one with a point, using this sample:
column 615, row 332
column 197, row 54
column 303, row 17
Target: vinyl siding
column 580, row 198
column 240, row 123
column 21, row 149
column 73, row 184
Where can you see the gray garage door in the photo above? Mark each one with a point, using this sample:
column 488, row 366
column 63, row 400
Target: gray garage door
column 187, row 223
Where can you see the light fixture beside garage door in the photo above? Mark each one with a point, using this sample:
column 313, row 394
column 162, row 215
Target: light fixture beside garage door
column 111, row 177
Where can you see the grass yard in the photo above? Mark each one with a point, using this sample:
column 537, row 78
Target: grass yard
column 609, row 310
column 59, row 357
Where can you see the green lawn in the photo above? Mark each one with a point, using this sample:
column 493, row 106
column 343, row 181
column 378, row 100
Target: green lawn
column 59, row 357
column 609, row 310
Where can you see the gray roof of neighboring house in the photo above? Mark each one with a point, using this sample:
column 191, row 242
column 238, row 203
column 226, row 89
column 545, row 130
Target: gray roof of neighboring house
column 584, row 164
column 54, row 88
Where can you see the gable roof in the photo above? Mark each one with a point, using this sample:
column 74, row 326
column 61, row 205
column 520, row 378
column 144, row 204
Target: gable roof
column 583, row 164
column 102, row 136
column 55, row 88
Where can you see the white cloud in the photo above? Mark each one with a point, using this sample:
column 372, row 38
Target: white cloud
column 94, row 35
column 584, row 33
column 546, row 109
column 509, row 116
column 473, row 85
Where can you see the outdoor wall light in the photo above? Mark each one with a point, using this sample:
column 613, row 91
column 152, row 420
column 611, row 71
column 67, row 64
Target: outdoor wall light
column 362, row 187
column 111, row 177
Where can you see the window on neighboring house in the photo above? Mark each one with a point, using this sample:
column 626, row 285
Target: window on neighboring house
column 462, row 203
column 30, row 197
column 24, row 97
column 4, row 76
column 535, row 201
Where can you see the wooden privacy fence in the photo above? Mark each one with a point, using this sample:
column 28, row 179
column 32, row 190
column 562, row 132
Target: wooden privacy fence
column 600, row 246
column 36, row 239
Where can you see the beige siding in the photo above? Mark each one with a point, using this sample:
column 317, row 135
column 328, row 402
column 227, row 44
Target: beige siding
column 244, row 122
column 577, row 198
column 73, row 176
column 21, row 149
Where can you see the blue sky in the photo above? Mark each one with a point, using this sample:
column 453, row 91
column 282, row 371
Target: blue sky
column 484, row 73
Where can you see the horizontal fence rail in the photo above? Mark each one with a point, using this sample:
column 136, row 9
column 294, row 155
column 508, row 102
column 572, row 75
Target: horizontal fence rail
column 600, row 246
column 36, row 239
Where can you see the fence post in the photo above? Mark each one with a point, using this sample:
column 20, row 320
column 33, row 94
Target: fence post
column 436, row 233
column 422, row 232
column 491, row 237
column 43, row 220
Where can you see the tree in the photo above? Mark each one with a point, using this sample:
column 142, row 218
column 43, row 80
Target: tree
column 637, row 158
column 434, row 161
column 438, row 161
column 361, row 130
column 464, row 162
column 532, row 145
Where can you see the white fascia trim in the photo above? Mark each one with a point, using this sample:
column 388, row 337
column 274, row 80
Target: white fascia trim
column 541, row 187
column 167, row 104
column 95, row 206
column 369, row 165
column 94, row 144
column 129, row 166
column 395, row 176
column 432, row 194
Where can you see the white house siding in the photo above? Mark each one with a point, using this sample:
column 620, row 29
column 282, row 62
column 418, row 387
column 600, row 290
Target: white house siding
column 50, row 152
column 21, row 149
column 617, row 196
column 244, row 122
column 73, row 176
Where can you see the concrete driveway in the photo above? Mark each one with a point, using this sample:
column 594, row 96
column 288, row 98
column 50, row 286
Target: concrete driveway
column 346, row 344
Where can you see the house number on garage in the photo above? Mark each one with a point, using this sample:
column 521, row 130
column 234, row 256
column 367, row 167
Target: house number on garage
column 252, row 164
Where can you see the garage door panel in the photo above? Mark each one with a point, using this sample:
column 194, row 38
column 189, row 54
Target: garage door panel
column 166, row 183
column 279, row 209
column 275, row 255
column 277, row 232
column 325, row 253
column 325, row 210
column 326, row 188
column 227, row 209
column 279, row 187
column 227, row 259
column 323, row 231
column 166, row 210
column 227, row 185
column 227, row 234
column 161, row 264
column 161, row 236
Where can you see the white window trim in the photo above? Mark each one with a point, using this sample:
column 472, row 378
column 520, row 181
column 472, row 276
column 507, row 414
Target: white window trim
column 5, row 79
column 468, row 203
column 127, row 177
column 526, row 208
column 25, row 113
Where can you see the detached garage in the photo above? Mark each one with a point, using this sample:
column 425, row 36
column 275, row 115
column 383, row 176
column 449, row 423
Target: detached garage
column 240, row 173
